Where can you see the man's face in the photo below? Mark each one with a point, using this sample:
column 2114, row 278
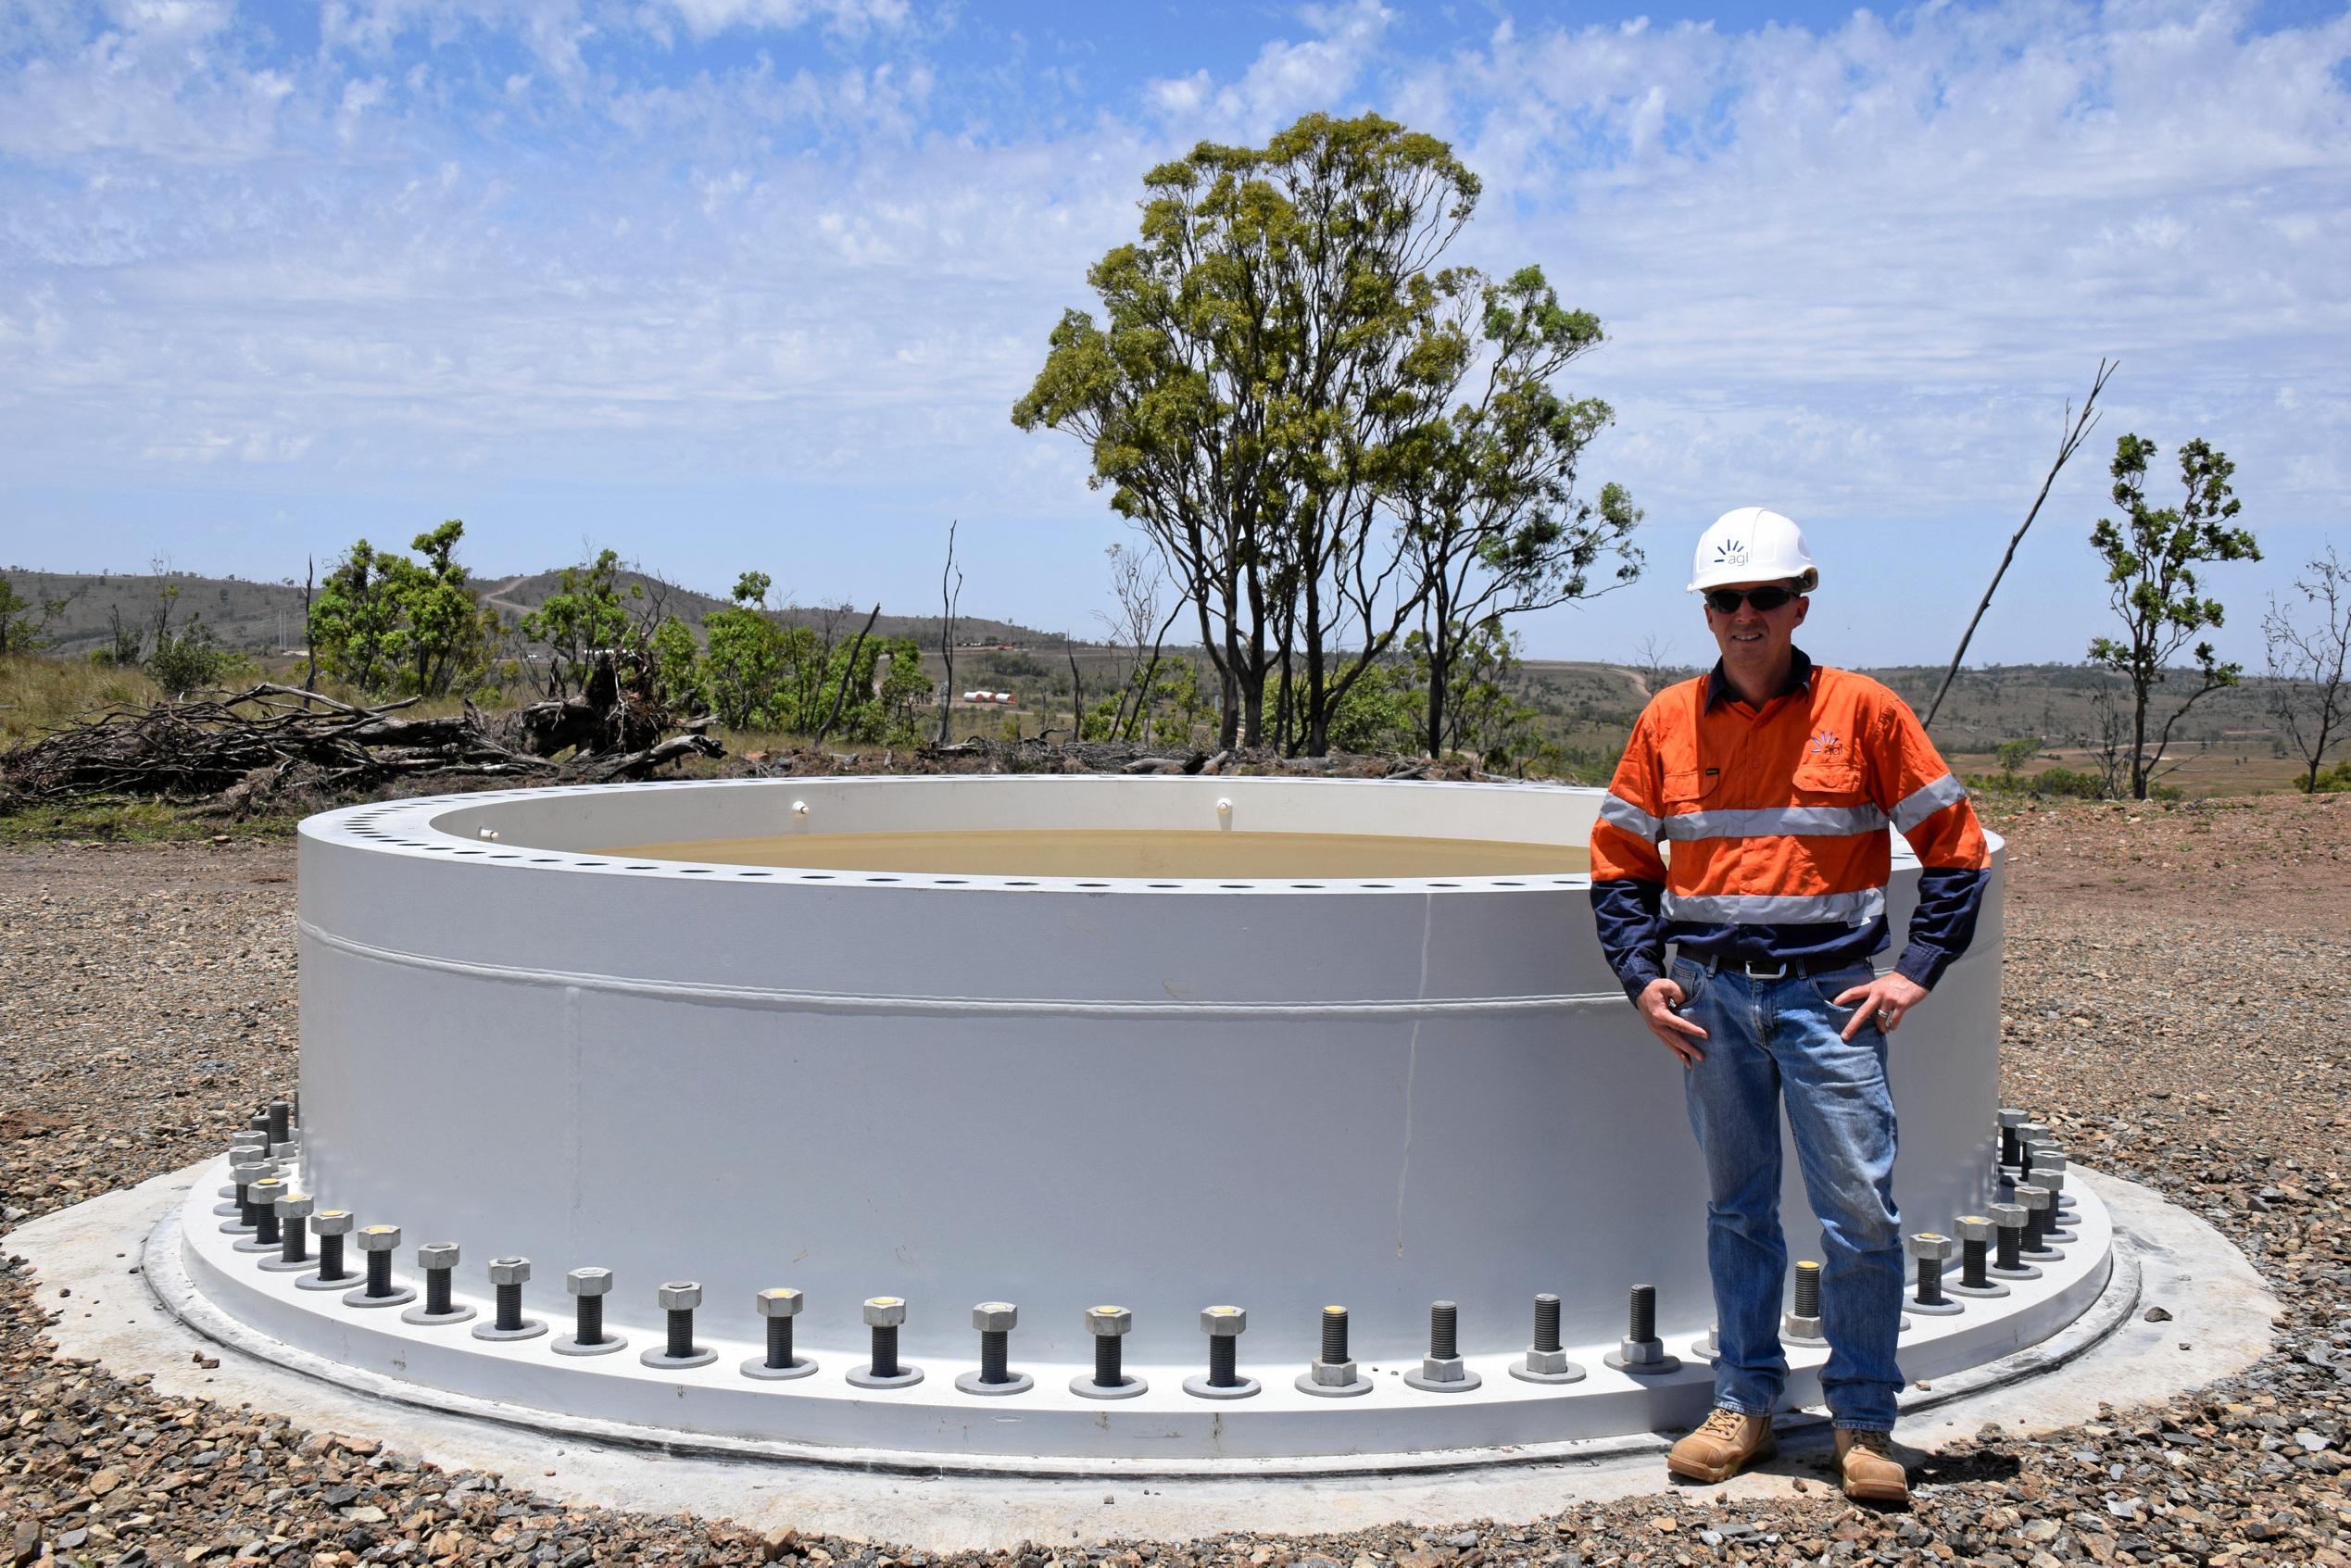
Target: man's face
column 1756, row 640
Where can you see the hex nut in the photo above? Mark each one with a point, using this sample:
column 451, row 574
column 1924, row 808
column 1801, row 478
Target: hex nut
column 2009, row 1216
column 2012, row 1117
column 269, row 1189
column 1108, row 1319
column 589, row 1282
column 884, row 1311
column 779, row 1303
column 1976, row 1227
column 1793, row 1328
column 1548, row 1364
column 437, row 1255
column 1223, row 1323
column 1640, row 1353
column 679, row 1296
column 378, row 1238
column 2031, row 1196
column 509, row 1271
column 295, row 1206
column 332, row 1222
column 995, row 1317
column 1930, row 1244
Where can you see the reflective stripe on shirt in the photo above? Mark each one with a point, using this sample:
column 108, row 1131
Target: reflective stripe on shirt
column 1619, row 812
column 1788, row 821
column 1772, row 909
column 1926, row 801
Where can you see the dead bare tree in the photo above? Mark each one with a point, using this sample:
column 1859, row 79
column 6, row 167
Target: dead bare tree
column 950, row 593
column 309, row 649
column 2306, row 663
column 849, row 671
column 2075, row 429
column 1649, row 661
column 1137, row 579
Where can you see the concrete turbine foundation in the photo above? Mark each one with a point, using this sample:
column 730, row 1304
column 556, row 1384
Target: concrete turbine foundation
column 1044, row 1094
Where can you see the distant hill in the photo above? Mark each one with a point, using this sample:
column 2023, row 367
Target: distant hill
column 1589, row 702
column 266, row 617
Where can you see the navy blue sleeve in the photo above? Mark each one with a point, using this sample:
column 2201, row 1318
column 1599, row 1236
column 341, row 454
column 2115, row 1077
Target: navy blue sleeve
column 1941, row 926
column 1632, row 930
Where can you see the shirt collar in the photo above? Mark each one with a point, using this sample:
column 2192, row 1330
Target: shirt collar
column 1719, row 690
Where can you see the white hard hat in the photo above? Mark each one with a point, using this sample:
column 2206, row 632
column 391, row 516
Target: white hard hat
column 1753, row 544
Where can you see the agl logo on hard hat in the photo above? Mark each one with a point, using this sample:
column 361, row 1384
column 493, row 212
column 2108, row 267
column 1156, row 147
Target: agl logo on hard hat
column 1752, row 544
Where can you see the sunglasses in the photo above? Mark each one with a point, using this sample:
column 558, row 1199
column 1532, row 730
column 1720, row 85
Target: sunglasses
column 1726, row 601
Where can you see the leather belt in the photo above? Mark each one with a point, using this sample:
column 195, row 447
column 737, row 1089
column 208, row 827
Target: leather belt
column 1783, row 969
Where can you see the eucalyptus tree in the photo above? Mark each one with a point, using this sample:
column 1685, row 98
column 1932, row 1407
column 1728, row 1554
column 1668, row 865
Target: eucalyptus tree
column 1486, row 493
column 2151, row 556
column 1275, row 389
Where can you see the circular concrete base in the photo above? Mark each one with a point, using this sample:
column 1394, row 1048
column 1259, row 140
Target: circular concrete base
column 1169, row 1421
column 2107, row 1358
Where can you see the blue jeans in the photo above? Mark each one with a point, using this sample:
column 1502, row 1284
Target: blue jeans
column 1764, row 1036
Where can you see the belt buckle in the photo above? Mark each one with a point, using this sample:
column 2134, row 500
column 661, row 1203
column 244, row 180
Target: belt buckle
column 1755, row 971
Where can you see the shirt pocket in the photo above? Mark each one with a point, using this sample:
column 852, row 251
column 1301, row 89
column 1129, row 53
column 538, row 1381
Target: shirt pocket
column 1824, row 781
column 1687, row 788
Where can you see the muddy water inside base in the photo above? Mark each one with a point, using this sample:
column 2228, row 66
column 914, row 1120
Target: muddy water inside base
column 1127, row 852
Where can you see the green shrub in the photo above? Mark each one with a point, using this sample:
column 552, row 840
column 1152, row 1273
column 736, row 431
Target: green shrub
column 2066, row 784
column 2331, row 781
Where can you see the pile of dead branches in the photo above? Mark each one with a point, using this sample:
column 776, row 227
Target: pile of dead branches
column 258, row 742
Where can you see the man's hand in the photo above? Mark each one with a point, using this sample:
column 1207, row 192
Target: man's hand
column 1657, row 1001
column 1885, row 998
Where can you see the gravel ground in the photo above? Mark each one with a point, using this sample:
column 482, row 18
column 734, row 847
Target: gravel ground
column 2179, row 1004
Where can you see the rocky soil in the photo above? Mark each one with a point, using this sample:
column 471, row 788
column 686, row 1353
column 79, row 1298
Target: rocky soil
column 2179, row 1004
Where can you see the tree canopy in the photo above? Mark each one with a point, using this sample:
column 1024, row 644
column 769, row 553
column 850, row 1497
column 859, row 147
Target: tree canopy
column 1301, row 409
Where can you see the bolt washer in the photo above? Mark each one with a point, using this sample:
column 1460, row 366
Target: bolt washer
column 569, row 1345
column 1305, row 1383
column 401, row 1296
column 1427, row 1385
column 1570, row 1373
column 801, row 1366
column 1615, row 1361
column 532, row 1328
column 1983, row 1292
column 1199, row 1386
column 863, row 1376
column 1084, row 1387
column 343, row 1281
column 431, row 1320
column 968, row 1382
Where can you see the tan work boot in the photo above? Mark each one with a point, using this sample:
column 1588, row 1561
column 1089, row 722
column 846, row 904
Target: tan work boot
column 1869, row 1469
column 1724, row 1444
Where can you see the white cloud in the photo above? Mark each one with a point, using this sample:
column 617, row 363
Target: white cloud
column 1856, row 270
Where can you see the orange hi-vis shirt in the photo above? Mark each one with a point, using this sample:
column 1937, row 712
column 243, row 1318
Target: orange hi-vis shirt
column 1777, row 819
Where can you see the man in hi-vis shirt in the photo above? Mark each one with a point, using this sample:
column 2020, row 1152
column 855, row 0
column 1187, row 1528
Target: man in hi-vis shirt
column 1773, row 779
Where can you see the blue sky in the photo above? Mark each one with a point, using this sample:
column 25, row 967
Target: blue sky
column 753, row 284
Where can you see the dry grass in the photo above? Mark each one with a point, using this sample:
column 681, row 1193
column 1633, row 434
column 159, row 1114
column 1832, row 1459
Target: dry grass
column 41, row 694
